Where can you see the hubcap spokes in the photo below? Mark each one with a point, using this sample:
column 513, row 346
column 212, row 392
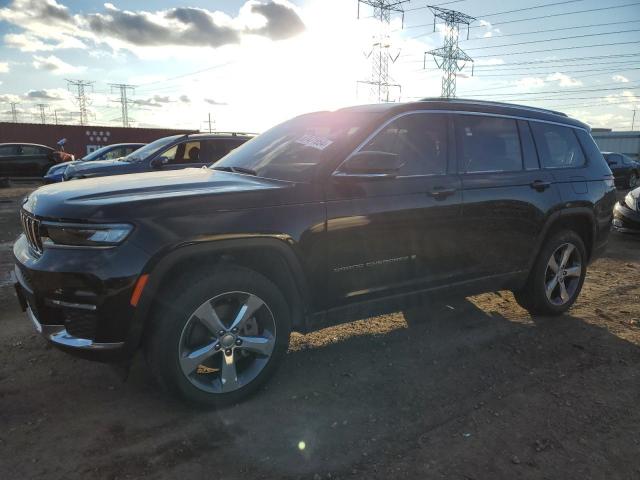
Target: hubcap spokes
column 563, row 274
column 227, row 342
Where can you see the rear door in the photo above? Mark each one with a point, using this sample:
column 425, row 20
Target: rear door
column 393, row 235
column 8, row 160
column 506, row 195
column 33, row 160
column 215, row 149
column 616, row 165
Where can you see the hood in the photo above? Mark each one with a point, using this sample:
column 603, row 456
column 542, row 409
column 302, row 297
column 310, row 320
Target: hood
column 165, row 191
column 59, row 167
column 95, row 167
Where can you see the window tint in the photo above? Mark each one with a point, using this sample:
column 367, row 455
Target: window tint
column 32, row 150
column 419, row 140
column 183, row 153
column 488, row 144
column 7, row 150
column 113, row 154
column 558, row 146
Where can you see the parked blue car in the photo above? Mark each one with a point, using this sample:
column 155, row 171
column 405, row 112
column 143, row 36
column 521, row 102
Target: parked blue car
column 168, row 153
column 54, row 174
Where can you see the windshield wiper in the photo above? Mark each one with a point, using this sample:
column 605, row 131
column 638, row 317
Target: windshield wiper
column 248, row 171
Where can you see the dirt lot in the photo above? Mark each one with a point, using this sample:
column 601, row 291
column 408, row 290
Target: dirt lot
column 481, row 391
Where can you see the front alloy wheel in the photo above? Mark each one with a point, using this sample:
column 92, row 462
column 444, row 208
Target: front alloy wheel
column 227, row 342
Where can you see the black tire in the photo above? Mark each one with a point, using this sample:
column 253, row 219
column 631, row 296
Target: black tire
column 171, row 316
column 533, row 296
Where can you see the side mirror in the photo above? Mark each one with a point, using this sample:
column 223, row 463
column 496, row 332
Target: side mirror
column 371, row 164
column 158, row 162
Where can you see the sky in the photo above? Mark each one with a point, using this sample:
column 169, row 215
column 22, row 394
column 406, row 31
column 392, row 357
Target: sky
column 249, row 65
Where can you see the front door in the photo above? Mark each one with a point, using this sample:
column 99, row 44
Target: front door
column 392, row 235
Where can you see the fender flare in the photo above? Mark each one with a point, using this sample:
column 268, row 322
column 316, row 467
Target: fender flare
column 158, row 268
column 583, row 212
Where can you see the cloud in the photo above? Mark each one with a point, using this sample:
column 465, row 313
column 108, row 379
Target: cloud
column 47, row 25
column 184, row 99
column 9, row 98
column 155, row 101
column 55, row 65
column 282, row 21
column 620, row 79
column 528, row 83
column 45, row 94
column 211, row 101
column 564, row 80
column 4, row 67
column 490, row 30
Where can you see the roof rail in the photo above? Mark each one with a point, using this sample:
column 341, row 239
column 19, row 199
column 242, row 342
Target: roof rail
column 234, row 134
column 491, row 102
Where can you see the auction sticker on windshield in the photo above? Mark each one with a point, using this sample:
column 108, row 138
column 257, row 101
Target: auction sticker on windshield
column 319, row 143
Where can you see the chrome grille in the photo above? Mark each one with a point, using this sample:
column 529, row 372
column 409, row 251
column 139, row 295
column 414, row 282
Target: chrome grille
column 31, row 227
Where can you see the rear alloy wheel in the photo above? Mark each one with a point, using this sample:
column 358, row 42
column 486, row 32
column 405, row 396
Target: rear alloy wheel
column 563, row 274
column 557, row 276
column 220, row 338
column 634, row 180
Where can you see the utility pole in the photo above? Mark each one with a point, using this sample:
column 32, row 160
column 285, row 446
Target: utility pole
column 81, row 97
column 210, row 123
column 633, row 119
column 381, row 82
column 43, row 116
column 55, row 116
column 14, row 112
column 447, row 57
column 124, row 101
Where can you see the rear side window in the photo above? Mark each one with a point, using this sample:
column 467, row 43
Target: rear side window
column 418, row 139
column 31, row 150
column 488, row 144
column 7, row 150
column 558, row 146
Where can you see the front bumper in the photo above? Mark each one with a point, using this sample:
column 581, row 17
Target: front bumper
column 78, row 299
column 625, row 220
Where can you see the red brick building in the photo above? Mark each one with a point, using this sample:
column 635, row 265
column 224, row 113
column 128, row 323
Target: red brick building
column 80, row 139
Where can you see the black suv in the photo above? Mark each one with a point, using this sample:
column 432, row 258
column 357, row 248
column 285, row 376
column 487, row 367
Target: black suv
column 167, row 153
column 326, row 218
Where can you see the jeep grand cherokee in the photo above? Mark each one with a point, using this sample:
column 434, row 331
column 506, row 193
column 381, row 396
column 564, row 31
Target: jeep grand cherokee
column 328, row 217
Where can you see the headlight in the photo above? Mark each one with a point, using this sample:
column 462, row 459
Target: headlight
column 69, row 235
column 631, row 201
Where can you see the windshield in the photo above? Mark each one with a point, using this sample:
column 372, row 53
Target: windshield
column 150, row 148
column 292, row 150
column 96, row 153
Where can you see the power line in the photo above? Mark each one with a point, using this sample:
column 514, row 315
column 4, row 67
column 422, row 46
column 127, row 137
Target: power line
column 565, row 92
column 622, row 68
column 436, row 5
column 534, row 7
column 503, row 35
column 559, row 60
column 562, row 48
column 556, row 39
column 539, row 17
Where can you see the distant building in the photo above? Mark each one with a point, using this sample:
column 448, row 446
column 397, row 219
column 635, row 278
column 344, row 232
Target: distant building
column 620, row 142
column 81, row 140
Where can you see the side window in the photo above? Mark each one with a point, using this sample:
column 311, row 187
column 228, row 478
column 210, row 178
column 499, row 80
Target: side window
column 113, row 154
column 419, row 140
column 169, row 156
column 218, row 148
column 32, row 150
column 129, row 150
column 191, row 153
column 7, row 150
column 626, row 160
column 488, row 144
column 557, row 145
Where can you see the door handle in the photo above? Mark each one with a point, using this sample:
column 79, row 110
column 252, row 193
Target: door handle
column 540, row 185
column 440, row 193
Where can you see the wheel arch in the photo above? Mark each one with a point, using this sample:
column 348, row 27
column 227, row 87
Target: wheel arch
column 272, row 257
column 578, row 219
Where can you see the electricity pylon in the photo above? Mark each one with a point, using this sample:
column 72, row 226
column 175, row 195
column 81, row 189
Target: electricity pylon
column 43, row 115
column 81, row 97
column 450, row 58
column 381, row 82
column 124, row 101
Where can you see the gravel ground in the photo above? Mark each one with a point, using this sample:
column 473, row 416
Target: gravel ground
column 480, row 391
